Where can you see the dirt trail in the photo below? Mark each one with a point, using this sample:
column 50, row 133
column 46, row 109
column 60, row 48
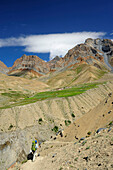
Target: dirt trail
column 95, row 152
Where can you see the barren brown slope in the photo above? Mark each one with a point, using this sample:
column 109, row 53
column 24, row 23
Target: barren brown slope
column 79, row 74
column 20, row 84
column 23, row 121
column 3, row 68
column 54, row 111
column 98, row 117
column 94, row 152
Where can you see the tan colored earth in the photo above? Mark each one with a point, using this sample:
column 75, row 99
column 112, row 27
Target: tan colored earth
column 95, row 151
column 91, row 112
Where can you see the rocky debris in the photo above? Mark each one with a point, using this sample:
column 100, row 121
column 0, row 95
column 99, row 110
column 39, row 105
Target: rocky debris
column 82, row 138
column 100, row 129
column 60, row 132
column 54, row 155
column 86, row 158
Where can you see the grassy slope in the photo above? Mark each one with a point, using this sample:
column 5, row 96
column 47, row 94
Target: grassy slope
column 21, row 99
column 17, row 91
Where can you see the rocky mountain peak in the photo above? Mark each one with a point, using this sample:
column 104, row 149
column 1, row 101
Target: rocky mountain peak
column 57, row 58
column 90, row 52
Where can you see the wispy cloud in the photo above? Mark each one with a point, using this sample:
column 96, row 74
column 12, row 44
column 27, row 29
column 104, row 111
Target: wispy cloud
column 55, row 44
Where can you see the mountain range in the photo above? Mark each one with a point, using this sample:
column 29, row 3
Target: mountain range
column 95, row 52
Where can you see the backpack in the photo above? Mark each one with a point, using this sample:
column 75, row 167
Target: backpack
column 33, row 148
column 30, row 156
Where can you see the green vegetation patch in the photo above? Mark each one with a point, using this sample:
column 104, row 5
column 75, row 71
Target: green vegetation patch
column 24, row 161
column 55, row 129
column 10, row 127
column 67, row 122
column 111, row 123
column 100, row 73
column 22, row 99
column 76, row 159
column 73, row 115
column 40, row 120
column 79, row 68
column 64, row 93
column 87, row 147
column 15, row 94
column 89, row 133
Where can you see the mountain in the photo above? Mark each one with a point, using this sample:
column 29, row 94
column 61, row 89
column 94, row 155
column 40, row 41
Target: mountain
column 94, row 52
column 32, row 65
column 3, row 68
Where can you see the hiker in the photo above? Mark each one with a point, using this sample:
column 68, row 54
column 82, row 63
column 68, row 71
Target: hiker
column 34, row 149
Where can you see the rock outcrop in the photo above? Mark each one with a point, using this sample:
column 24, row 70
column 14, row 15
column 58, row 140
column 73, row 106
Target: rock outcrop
column 31, row 63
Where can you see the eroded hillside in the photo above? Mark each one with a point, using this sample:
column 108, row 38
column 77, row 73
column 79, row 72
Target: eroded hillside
column 24, row 123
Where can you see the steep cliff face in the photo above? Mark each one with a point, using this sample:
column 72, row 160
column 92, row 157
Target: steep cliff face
column 93, row 51
column 31, row 63
column 104, row 47
column 90, row 52
column 3, row 68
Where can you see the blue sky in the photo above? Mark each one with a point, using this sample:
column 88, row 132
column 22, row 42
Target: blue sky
column 50, row 27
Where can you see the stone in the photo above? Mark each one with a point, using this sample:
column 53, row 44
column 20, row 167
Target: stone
column 82, row 138
column 109, row 129
column 111, row 142
column 109, row 112
column 111, row 165
column 86, row 158
column 99, row 164
column 100, row 129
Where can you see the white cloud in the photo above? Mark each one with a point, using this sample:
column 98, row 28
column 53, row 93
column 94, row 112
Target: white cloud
column 55, row 44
